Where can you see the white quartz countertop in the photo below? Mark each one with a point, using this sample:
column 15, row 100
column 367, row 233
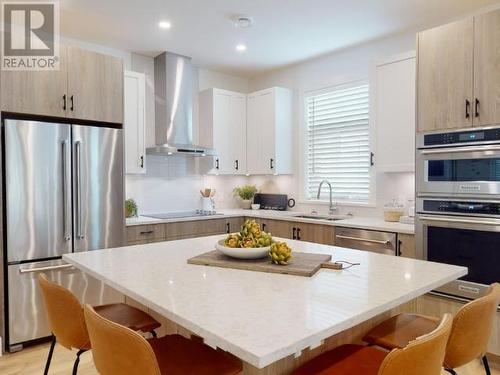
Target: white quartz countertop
column 262, row 317
column 372, row 223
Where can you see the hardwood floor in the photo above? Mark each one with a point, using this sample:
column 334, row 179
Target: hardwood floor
column 31, row 361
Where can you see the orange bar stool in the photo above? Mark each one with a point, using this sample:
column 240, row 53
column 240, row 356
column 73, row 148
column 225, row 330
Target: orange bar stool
column 67, row 322
column 472, row 327
column 119, row 350
column 421, row 356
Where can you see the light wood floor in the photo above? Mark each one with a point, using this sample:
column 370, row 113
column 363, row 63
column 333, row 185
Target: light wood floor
column 31, row 361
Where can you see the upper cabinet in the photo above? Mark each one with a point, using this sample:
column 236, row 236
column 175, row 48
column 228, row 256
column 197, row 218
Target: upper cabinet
column 134, row 122
column 223, row 122
column 487, row 69
column 95, row 86
column 458, row 74
column 445, row 76
column 395, row 114
column 269, row 132
column 88, row 86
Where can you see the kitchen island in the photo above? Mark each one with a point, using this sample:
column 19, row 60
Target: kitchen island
column 272, row 322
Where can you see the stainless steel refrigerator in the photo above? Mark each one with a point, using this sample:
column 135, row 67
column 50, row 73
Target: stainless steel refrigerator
column 63, row 194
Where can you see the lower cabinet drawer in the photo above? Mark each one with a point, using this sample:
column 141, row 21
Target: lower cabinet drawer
column 145, row 233
column 199, row 228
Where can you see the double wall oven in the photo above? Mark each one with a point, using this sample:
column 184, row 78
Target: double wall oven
column 458, row 205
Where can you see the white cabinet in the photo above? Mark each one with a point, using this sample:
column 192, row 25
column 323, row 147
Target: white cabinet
column 269, row 132
column 134, row 122
column 223, row 121
column 395, row 114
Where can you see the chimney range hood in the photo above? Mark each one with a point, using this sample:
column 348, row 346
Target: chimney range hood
column 174, row 107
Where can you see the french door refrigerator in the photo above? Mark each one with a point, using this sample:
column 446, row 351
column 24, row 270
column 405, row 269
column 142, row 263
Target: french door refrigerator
column 63, row 193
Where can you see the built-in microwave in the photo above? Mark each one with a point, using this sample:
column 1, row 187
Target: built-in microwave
column 460, row 163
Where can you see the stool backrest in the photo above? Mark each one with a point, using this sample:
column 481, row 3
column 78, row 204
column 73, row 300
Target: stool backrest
column 64, row 315
column 471, row 330
column 117, row 349
column 423, row 355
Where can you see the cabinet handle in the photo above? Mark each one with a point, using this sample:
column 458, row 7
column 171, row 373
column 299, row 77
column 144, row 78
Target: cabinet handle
column 64, row 102
column 147, row 232
column 398, row 249
column 228, row 228
column 271, row 163
column 72, row 103
column 294, row 236
column 372, row 156
column 298, row 234
column 237, row 166
column 142, row 161
column 217, row 163
column 476, row 108
column 467, row 108
column 264, row 226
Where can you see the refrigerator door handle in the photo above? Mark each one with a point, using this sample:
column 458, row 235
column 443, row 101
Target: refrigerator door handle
column 65, row 191
column 78, row 161
column 45, row 269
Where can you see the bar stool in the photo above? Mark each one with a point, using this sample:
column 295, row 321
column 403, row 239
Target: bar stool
column 67, row 322
column 119, row 350
column 421, row 356
column 469, row 337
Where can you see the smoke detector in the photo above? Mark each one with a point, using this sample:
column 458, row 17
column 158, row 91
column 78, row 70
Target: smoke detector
column 243, row 22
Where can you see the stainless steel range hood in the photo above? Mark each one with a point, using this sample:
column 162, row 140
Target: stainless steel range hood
column 174, row 107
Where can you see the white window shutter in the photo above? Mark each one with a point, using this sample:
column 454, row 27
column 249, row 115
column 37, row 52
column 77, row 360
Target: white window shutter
column 338, row 142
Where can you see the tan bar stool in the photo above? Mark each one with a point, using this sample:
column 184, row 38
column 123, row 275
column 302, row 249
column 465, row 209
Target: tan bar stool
column 421, row 356
column 119, row 350
column 67, row 322
column 469, row 337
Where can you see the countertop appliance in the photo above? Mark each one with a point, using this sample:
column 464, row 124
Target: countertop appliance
column 369, row 240
column 458, row 206
column 277, row 202
column 63, row 193
column 182, row 214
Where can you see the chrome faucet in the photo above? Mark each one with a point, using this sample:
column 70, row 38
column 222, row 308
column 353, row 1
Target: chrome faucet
column 333, row 206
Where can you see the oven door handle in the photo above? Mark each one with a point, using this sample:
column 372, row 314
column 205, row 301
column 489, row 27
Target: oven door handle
column 451, row 219
column 460, row 150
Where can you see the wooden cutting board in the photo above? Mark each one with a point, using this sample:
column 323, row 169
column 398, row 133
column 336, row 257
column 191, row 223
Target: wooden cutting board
column 301, row 264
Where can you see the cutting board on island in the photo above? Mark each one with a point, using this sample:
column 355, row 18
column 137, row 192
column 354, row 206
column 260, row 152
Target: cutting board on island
column 301, row 264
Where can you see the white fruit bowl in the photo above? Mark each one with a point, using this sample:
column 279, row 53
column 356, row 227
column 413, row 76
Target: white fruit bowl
column 243, row 253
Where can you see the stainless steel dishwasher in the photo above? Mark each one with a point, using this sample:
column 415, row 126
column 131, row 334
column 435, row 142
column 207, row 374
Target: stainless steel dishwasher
column 369, row 240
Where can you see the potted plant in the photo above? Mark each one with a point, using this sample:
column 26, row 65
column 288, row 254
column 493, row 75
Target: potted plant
column 130, row 208
column 246, row 193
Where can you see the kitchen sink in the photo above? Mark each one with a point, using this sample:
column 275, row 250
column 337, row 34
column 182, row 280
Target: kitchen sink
column 324, row 217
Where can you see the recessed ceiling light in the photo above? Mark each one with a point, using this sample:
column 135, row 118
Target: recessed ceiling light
column 242, row 22
column 165, row 24
column 241, row 47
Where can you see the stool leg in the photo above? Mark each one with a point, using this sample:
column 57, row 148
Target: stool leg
column 77, row 361
column 486, row 365
column 49, row 357
column 451, row 371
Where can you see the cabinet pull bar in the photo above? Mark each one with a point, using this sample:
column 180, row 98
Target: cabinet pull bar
column 467, row 108
column 381, row 242
column 298, row 233
column 64, row 102
column 237, row 165
column 72, row 108
column 294, row 236
column 217, row 163
column 147, row 232
column 142, row 161
column 271, row 163
column 476, row 108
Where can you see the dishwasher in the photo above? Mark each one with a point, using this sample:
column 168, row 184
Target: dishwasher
column 369, row 240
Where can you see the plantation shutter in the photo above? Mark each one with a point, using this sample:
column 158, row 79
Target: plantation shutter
column 338, row 146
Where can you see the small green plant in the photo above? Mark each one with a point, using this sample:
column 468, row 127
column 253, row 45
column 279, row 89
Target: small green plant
column 245, row 192
column 130, row 208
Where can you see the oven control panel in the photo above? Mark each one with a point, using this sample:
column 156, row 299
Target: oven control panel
column 461, row 207
column 470, row 136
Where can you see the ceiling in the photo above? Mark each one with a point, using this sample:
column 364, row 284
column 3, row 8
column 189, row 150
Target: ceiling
column 284, row 31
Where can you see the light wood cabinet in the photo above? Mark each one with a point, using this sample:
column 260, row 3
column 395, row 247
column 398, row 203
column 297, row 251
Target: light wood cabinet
column 36, row 92
column 395, row 114
column 487, row 69
column 223, row 126
column 234, row 224
column 95, row 86
column 134, row 124
column 317, row 233
column 88, row 86
column 198, row 228
column 269, row 132
column 406, row 245
column 445, row 76
column 140, row 234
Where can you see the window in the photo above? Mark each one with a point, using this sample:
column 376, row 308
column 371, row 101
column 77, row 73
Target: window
column 338, row 142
